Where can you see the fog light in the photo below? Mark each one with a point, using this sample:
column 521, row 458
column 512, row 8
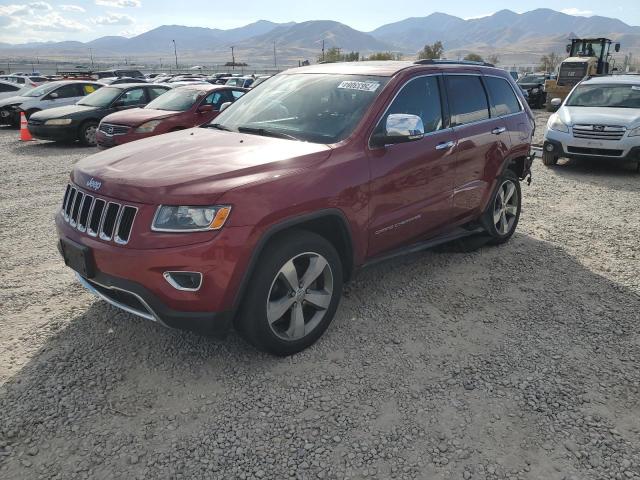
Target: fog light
column 185, row 281
column 549, row 147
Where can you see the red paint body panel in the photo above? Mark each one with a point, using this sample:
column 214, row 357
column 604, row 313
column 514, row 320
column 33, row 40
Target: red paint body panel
column 388, row 197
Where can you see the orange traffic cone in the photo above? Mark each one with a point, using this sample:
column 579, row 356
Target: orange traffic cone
column 25, row 135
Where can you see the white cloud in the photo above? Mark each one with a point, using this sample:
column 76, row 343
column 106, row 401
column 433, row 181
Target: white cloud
column 41, row 6
column 118, row 3
column 14, row 10
column 72, row 8
column 577, row 12
column 114, row 19
column 54, row 22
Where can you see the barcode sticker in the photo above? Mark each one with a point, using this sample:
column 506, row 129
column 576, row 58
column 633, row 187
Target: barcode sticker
column 362, row 86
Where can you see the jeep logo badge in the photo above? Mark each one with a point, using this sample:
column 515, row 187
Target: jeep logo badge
column 94, row 184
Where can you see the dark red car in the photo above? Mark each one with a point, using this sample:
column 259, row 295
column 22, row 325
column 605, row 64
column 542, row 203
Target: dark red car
column 178, row 109
column 257, row 221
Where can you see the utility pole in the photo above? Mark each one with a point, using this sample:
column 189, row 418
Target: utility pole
column 175, row 52
column 233, row 59
column 91, row 55
column 275, row 60
column 323, row 50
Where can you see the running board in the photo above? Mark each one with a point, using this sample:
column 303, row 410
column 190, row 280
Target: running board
column 417, row 247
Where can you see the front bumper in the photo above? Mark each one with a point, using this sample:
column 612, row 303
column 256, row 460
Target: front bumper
column 107, row 141
column 133, row 278
column 59, row 133
column 566, row 145
column 137, row 300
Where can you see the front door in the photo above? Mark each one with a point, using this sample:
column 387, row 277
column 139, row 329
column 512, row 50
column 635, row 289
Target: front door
column 411, row 183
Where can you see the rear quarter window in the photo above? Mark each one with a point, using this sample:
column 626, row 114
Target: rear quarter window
column 467, row 99
column 503, row 99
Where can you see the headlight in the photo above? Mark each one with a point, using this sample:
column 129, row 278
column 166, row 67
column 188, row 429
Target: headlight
column 58, row 121
column 148, row 127
column 535, row 90
column 190, row 219
column 556, row 124
column 635, row 132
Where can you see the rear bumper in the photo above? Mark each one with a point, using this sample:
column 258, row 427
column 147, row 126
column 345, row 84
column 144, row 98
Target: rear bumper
column 56, row 133
column 137, row 300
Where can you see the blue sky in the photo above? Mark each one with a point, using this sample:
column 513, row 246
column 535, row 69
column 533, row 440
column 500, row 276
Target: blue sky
column 88, row 19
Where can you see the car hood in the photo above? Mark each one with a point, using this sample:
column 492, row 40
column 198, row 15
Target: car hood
column 193, row 167
column 13, row 100
column 59, row 112
column 137, row 116
column 628, row 117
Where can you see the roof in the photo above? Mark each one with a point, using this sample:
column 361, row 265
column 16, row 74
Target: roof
column 129, row 85
column 201, row 86
column 613, row 79
column 378, row 68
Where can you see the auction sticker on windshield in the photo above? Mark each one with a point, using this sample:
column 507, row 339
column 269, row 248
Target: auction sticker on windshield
column 362, row 86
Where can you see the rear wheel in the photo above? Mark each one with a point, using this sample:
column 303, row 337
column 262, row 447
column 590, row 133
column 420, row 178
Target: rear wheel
column 293, row 294
column 88, row 133
column 549, row 158
column 503, row 212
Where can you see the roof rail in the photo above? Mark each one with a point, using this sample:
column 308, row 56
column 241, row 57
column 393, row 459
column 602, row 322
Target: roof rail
column 452, row 62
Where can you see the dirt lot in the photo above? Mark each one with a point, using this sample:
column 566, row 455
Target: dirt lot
column 515, row 362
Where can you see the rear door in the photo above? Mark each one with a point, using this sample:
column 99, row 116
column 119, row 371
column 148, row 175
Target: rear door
column 481, row 141
column 412, row 182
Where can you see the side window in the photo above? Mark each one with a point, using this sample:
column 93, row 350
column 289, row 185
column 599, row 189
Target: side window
column 216, row 99
column 8, row 88
column 155, row 92
column 467, row 99
column 69, row 91
column 421, row 97
column 503, row 100
column 88, row 88
column 236, row 94
column 132, row 97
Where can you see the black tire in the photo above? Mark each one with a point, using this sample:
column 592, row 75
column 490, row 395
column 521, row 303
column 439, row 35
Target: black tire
column 87, row 133
column 549, row 159
column 269, row 286
column 492, row 223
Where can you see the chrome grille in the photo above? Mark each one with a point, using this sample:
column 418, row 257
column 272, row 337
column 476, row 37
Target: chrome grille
column 598, row 132
column 111, row 129
column 110, row 221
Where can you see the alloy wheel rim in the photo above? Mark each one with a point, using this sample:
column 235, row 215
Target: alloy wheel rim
column 505, row 207
column 90, row 135
column 300, row 295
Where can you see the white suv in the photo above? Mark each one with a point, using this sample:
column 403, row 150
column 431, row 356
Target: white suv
column 599, row 119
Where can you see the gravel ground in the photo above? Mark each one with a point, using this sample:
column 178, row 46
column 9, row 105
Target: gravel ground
column 512, row 362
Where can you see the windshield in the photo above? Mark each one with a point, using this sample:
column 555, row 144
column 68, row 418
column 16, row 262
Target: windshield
column 531, row 79
column 42, row 90
column 101, row 98
column 178, row 100
column 615, row 96
column 318, row 108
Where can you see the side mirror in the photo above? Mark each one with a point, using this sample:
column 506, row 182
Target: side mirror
column 224, row 106
column 568, row 48
column 205, row 108
column 617, row 47
column 53, row 95
column 400, row 128
column 556, row 102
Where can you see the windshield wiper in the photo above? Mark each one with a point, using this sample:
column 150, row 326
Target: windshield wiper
column 266, row 132
column 218, row 126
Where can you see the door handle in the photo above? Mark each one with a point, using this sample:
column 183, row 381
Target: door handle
column 499, row 130
column 445, row 145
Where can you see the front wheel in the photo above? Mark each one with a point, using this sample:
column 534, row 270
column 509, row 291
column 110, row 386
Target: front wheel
column 293, row 294
column 88, row 133
column 503, row 212
column 549, row 159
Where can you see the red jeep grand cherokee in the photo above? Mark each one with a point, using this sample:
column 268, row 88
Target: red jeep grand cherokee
column 257, row 220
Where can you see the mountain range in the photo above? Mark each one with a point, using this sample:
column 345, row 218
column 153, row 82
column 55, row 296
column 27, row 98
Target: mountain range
column 536, row 31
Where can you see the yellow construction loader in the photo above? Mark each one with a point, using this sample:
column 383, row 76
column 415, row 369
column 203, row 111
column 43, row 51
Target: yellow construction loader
column 587, row 57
